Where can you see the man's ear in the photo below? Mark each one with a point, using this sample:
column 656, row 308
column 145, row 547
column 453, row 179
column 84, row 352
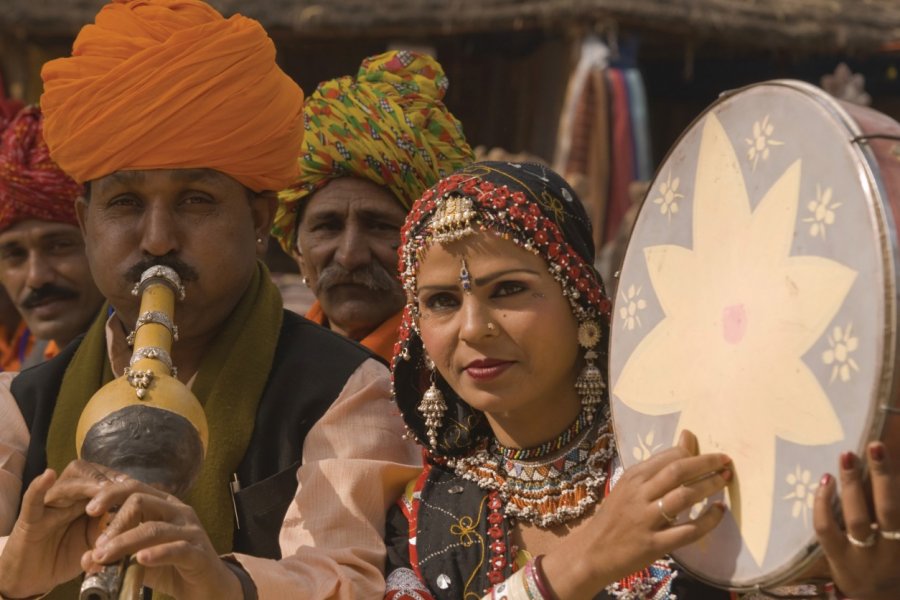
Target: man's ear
column 262, row 210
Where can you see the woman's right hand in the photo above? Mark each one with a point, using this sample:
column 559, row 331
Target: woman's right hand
column 631, row 527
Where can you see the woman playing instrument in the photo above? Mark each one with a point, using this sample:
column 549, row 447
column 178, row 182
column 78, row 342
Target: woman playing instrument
column 499, row 375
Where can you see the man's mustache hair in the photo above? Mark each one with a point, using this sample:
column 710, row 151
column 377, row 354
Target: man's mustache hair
column 48, row 291
column 373, row 276
column 184, row 270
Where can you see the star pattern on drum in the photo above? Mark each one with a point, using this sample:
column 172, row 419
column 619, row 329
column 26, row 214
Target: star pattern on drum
column 823, row 212
column 740, row 307
column 761, row 141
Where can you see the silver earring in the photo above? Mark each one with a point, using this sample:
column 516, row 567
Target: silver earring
column 305, row 280
column 432, row 407
column 589, row 385
column 259, row 240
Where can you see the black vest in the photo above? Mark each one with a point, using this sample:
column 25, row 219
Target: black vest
column 309, row 370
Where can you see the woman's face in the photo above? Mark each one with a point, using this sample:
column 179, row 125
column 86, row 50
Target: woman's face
column 508, row 346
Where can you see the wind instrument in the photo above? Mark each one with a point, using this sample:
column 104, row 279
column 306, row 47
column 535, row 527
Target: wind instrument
column 146, row 423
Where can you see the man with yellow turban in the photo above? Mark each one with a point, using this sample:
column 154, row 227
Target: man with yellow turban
column 43, row 267
column 182, row 127
column 374, row 143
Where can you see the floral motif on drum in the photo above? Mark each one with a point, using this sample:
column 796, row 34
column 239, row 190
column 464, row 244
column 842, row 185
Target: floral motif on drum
column 631, row 308
column 823, row 212
column 761, row 141
column 803, row 492
column 669, row 196
column 842, row 344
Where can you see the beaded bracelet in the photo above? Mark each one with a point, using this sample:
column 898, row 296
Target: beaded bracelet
column 814, row 589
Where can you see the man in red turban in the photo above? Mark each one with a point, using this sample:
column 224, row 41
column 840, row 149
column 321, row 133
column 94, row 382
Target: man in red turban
column 43, row 267
column 182, row 127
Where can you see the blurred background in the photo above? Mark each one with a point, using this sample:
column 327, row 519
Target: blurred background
column 599, row 89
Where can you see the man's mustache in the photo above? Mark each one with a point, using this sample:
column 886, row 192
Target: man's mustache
column 373, row 276
column 184, row 270
column 46, row 292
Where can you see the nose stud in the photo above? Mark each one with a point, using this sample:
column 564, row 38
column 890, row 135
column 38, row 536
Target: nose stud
column 491, row 327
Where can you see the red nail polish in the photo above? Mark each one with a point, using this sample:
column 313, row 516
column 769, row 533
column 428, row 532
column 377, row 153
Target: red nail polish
column 876, row 452
column 826, row 479
column 848, row 459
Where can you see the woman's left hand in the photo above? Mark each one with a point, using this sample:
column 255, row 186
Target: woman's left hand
column 864, row 556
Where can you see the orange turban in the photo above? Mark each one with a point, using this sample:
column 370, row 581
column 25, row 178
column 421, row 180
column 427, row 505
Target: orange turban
column 31, row 185
column 171, row 84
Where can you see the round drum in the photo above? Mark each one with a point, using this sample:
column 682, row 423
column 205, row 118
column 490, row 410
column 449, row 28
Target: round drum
column 756, row 306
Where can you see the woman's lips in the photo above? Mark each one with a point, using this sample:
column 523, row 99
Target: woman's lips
column 486, row 369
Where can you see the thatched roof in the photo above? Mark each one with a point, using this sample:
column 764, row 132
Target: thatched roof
column 814, row 25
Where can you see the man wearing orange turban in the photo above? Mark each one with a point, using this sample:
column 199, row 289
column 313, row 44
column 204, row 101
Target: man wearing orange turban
column 182, row 127
column 374, row 143
column 43, row 267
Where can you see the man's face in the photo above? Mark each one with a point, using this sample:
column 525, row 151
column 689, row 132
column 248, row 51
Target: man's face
column 347, row 242
column 200, row 222
column 45, row 271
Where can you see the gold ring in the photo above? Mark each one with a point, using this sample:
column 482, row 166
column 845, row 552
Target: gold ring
column 669, row 519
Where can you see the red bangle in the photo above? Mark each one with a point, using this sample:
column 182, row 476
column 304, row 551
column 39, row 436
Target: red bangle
column 540, row 578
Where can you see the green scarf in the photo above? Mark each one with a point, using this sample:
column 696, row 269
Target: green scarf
column 229, row 384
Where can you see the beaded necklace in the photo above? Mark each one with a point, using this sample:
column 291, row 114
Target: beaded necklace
column 560, row 441
column 555, row 488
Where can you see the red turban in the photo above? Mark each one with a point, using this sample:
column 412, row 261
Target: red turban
column 171, row 84
column 8, row 109
column 32, row 186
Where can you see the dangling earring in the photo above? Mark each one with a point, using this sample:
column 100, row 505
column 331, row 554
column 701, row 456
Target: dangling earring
column 432, row 407
column 590, row 384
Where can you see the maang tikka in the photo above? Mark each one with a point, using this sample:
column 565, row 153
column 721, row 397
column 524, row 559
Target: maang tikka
column 432, row 406
column 465, row 279
column 589, row 385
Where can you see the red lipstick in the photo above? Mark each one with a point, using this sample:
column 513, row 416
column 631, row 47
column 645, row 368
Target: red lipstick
column 486, row 369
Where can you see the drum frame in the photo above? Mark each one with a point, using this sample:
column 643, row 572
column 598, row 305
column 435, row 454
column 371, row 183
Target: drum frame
column 883, row 216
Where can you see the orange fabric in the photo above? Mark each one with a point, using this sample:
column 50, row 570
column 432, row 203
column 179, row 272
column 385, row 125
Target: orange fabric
column 381, row 341
column 10, row 358
column 171, row 84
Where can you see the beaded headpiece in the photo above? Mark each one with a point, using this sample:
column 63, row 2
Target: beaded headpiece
column 531, row 206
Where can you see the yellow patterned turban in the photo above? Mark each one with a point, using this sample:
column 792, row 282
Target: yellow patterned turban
column 170, row 84
column 388, row 125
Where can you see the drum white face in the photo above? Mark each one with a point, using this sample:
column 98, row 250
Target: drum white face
column 755, row 308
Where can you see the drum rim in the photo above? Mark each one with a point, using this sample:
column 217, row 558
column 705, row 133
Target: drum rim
column 888, row 246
